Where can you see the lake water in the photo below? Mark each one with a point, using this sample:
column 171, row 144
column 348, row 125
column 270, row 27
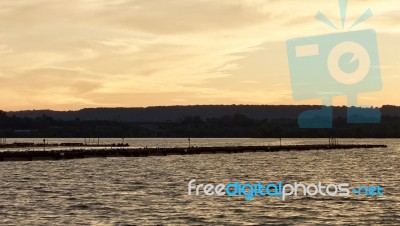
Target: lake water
column 153, row 190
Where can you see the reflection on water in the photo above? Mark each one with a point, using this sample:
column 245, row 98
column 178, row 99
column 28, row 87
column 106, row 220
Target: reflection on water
column 154, row 189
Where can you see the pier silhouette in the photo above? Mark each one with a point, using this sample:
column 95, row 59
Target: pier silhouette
column 79, row 153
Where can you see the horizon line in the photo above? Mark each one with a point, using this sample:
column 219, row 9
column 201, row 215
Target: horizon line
column 200, row 105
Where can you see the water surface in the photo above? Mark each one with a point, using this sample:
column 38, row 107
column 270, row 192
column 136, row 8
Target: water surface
column 153, row 190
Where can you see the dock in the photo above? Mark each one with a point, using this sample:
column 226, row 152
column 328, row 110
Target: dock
column 79, row 153
column 66, row 144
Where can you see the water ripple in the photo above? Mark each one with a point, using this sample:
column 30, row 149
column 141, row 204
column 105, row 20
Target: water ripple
column 122, row 191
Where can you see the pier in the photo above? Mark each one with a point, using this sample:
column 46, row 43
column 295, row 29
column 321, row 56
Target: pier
column 79, row 153
column 65, row 144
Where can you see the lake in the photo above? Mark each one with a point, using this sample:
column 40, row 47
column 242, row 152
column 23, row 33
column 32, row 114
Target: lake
column 154, row 190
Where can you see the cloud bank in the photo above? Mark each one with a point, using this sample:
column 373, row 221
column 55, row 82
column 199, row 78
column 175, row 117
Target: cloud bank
column 62, row 54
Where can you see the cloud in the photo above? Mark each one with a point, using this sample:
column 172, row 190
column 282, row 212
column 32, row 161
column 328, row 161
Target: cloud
column 72, row 54
column 47, row 87
column 180, row 16
column 4, row 49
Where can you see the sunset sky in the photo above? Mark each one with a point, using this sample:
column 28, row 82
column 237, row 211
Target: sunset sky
column 73, row 54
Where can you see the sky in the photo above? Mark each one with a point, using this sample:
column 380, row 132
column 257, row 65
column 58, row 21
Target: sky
column 68, row 55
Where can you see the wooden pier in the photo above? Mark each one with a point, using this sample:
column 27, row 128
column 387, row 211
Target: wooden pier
column 145, row 152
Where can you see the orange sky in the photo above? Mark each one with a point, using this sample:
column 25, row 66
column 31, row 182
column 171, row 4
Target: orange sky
column 65, row 55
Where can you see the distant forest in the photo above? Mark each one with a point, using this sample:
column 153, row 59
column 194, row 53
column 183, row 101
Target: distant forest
column 189, row 121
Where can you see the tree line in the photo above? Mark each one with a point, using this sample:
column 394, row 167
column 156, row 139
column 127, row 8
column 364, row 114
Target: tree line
column 230, row 126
